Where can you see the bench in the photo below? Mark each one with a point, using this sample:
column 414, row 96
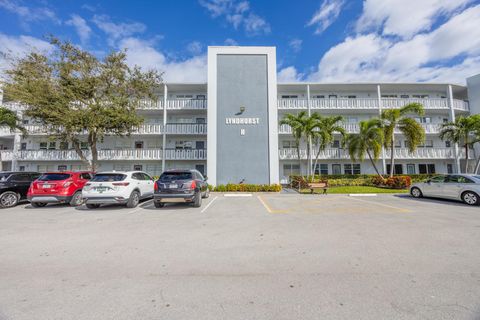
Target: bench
column 318, row 185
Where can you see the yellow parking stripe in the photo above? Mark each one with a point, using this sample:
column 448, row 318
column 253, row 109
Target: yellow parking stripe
column 270, row 210
column 381, row 204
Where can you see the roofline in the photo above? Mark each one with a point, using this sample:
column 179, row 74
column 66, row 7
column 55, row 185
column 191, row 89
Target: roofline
column 371, row 83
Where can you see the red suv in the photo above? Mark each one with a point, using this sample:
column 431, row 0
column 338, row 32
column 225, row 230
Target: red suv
column 58, row 187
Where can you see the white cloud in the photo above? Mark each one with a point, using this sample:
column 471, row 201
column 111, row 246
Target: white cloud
column 118, row 30
column 29, row 14
column 230, row 42
column 296, row 44
column 81, row 26
column 326, row 15
column 289, row 74
column 143, row 53
column 238, row 14
column 195, row 47
column 450, row 52
column 405, row 18
column 16, row 47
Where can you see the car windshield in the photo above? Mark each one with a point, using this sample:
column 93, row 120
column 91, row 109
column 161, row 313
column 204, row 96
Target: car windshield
column 108, row 177
column 170, row 176
column 54, row 176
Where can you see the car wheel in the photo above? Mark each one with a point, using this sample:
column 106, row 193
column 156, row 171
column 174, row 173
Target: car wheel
column 159, row 204
column 470, row 198
column 416, row 192
column 38, row 204
column 77, row 199
column 133, row 200
column 8, row 199
column 207, row 194
column 92, row 205
column 198, row 200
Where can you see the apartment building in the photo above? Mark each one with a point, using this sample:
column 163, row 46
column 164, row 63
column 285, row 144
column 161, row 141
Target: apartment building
column 229, row 128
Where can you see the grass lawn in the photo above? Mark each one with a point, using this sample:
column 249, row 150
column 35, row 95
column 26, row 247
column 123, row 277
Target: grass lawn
column 357, row 189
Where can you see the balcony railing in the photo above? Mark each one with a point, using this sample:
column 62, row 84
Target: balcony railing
column 400, row 153
column 430, row 128
column 187, row 128
column 368, row 103
column 7, row 155
column 120, row 154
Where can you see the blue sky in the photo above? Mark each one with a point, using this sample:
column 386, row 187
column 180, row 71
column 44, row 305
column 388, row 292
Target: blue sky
column 324, row 40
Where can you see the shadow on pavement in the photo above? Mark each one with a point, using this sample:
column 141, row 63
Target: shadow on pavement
column 447, row 202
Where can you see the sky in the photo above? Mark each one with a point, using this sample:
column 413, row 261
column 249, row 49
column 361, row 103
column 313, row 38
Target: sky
column 316, row 40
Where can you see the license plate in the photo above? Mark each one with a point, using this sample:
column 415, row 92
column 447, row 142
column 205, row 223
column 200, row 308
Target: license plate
column 46, row 186
column 101, row 189
column 173, row 186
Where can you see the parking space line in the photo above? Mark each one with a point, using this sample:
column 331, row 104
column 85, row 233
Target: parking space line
column 270, row 210
column 382, row 204
column 208, row 205
column 140, row 207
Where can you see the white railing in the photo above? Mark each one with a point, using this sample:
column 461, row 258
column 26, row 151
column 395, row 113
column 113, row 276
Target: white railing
column 369, row 103
column 7, row 155
column 400, row 153
column 147, row 104
column 179, row 104
column 5, row 131
column 187, row 128
column 430, row 128
column 114, row 154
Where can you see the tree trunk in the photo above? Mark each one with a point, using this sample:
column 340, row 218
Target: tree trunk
column 308, row 159
column 316, row 160
column 92, row 141
column 466, row 157
column 392, row 155
column 477, row 165
column 373, row 163
column 79, row 151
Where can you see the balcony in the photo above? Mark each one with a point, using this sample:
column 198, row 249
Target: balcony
column 173, row 104
column 144, row 129
column 7, row 155
column 116, row 154
column 368, row 103
column 430, row 128
column 400, row 153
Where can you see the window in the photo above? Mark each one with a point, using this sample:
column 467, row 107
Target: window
column 287, row 144
column 62, row 167
column 389, row 96
column 449, row 168
column 25, row 121
column 336, row 144
column 410, row 168
column 199, row 145
column 201, row 97
column 54, row 177
column 420, row 96
column 184, row 96
column 22, row 177
column 83, row 145
column 336, row 169
column 52, row 145
column 63, row 145
column 445, row 120
column 447, row 144
column 122, row 167
column 352, row 168
column 398, row 169
column 178, row 175
column 138, row 144
column 438, row 179
column 423, row 119
column 322, row 168
column 291, row 169
column 23, row 146
column 289, row 96
column 428, row 143
column 458, row 179
column 183, row 145
column 21, row 168
column 200, row 120
column 109, row 177
column 78, row 167
column 318, row 96
column 43, row 145
column 352, row 120
column 398, row 144
column 137, row 167
column 86, row 176
column 426, row 168
column 404, row 96
column 332, row 96
column 45, row 168
column 200, row 168
column 146, row 176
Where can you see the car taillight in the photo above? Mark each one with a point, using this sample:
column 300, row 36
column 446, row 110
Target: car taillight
column 155, row 186
column 193, row 185
column 67, row 184
column 121, row 184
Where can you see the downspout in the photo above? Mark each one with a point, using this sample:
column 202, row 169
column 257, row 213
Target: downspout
column 164, row 137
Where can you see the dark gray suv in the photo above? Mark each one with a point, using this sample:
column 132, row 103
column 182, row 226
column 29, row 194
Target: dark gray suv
column 180, row 186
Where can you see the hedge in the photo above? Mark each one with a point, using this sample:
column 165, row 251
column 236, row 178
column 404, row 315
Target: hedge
column 398, row 181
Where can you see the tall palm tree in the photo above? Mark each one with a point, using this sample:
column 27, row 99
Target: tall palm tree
column 9, row 119
column 326, row 127
column 399, row 119
column 297, row 123
column 461, row 131
column 368, row 141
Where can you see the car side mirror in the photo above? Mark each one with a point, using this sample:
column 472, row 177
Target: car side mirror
column 205, row 178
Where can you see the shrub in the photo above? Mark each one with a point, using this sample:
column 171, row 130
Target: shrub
column 231, row 187
column 399, row 182
column 378, row 181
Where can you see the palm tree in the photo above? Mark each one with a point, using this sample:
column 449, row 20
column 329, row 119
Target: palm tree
column 326, row 127
column 463, row 131
column 399, row 119
column 368, row 141
column 9, row 119
column 297, row 123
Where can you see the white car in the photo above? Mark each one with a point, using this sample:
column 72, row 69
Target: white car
column 126, row 188
column 464, row 187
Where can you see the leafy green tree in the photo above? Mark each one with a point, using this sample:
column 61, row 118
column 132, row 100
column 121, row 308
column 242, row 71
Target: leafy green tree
column 464, row 131
column 368, row 141
column 10, row 120
column 297, row 123
column 399, row 119
column 78, row 96
column 323, row 135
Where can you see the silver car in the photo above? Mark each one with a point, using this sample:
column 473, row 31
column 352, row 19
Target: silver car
column 462, row 187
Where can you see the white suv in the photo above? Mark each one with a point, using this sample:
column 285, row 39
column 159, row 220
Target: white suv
column 118, row 187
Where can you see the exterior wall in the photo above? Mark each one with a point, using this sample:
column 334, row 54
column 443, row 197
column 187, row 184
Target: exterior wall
column 473, row 84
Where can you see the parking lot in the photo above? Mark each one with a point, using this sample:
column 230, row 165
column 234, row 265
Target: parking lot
column 259, row 256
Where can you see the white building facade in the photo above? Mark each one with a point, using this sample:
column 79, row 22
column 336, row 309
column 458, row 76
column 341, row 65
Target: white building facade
column 229, row 127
